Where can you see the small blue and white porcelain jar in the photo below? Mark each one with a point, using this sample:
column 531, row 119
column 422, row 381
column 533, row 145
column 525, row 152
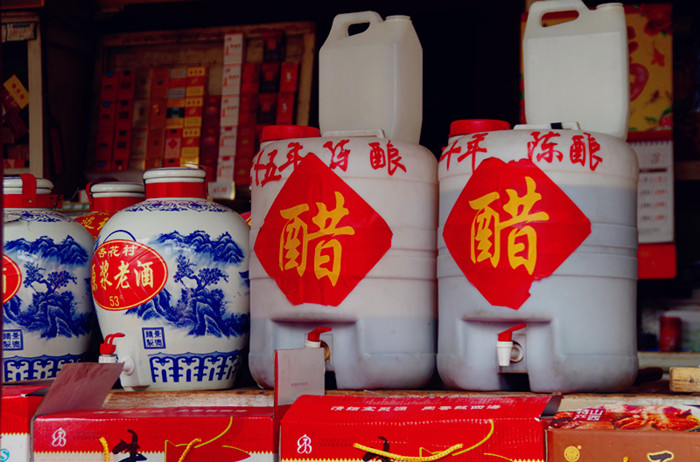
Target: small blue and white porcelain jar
column 171, row 274
column 47, row 305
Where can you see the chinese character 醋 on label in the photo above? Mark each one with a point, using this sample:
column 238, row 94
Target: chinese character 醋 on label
column 510, row 226
column 320, row 238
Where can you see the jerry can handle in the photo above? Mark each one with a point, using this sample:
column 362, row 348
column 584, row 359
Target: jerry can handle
column 539, row 9
column 342, row 22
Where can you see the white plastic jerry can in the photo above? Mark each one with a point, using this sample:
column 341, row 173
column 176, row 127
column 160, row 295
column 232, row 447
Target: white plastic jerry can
column 578, row 70
column 372, row 79
column 343, row 236
column 537, row 262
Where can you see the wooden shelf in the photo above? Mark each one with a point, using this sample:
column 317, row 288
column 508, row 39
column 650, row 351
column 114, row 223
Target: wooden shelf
column 649, row 393
column 255, row 397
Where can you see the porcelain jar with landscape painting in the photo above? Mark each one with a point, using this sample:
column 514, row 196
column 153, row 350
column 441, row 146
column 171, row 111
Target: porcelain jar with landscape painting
column 171, row 274
column 47, row 308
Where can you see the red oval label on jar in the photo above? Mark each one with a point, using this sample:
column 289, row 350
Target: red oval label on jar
column 11, row 279
column 125, row 274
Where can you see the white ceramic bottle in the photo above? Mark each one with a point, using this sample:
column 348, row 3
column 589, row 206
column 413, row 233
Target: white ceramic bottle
column 47, row 307
column 171, row 274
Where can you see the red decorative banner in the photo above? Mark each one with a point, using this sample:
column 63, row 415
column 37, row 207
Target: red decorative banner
column 126, row 274
column 11, row 279
column 510, row 226
column 320, row 238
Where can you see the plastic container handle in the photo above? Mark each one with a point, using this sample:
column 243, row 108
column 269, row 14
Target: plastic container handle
column 539, row 9
column 342, row 22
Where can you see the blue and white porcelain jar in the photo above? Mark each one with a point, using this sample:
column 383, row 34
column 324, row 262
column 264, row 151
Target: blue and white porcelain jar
column 47, row 305
column 171, row 274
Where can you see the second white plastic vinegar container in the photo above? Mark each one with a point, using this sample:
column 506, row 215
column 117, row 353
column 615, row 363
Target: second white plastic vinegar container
column 537, row 259
column 373, row 79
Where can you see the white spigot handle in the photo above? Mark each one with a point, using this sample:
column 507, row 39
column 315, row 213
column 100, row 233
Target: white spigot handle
column 503, row 350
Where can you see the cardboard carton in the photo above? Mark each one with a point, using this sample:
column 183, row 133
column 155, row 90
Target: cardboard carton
column 349, row 428
column 624, row 433
column 19, row 403
column 157, row 434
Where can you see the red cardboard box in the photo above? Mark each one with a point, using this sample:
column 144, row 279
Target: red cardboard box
column 154, row 143
column 108, row 89
column 19, row 403
column 250, row 78
column 350, row 428
column 211, row 111
column 124, row 114
column 289, row 76
column 246, row 141
column 178, row 77
column 106, row 116
column 142, row 83
column 269, row 77
column 122, row 149
column 126, row 85
column 158, row 113
column 159, row 83
column 157, row 434
column 173, row 143
column 273, row 45
column 285, row 109
column 267, row 108
column 623, row 432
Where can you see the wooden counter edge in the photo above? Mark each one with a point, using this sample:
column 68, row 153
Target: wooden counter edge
column 259, row 397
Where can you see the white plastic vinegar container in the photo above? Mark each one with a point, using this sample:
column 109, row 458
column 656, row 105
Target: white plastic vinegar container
column 577, row 71
column 372, row 80
column 537, row 264
column 343, row 233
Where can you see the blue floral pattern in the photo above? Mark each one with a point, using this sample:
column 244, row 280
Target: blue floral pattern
column 201, row 306
column 174, row 205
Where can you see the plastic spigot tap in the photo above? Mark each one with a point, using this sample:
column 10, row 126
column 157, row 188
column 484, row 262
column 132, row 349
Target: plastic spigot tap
column 107, row 347
column 507, row 335
column 504, row 345
column 313, row 338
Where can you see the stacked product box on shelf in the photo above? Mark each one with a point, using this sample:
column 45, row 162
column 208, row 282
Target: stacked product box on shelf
column 158, row 102
column 229, row 110
column 151, row 118
column 19, row 403
column 157, row 434
column 625, row 433
column 113, row 140
column 351, row 428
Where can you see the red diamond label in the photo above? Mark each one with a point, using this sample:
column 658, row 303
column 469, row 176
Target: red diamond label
column 320, row 238
column 510, row 226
